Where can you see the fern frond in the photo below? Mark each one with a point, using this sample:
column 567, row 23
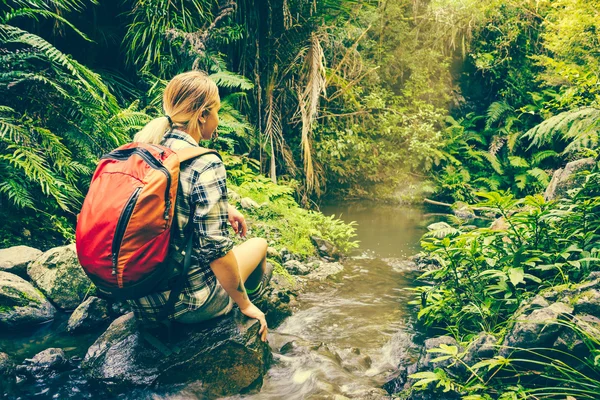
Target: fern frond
column 231, row 80
column 579, row 127
column 496, row 112
column 540, row 175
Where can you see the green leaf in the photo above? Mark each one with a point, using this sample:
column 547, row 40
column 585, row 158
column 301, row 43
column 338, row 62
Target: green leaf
column 516, row 275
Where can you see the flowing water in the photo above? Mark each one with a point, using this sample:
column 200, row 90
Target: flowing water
column 338, row 344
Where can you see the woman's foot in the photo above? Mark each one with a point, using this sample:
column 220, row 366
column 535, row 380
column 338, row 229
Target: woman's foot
column 257, row 292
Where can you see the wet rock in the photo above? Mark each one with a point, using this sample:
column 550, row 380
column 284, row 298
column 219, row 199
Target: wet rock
column 402, row 349
column 59, row 276
column 482, row 347
column 424, row 261
column 279, row 300
column 118, row 308
column 45, row 362
column 90, row 314
column 226, row 354
column 7, row 365
column 537, row 329
column 566, row 178
column 21, row 304
column 16, row 259
column 463, row 211
column 325, row 248
column 296, row 267
column 588, row 302
column 325, row 270
column 248, row 204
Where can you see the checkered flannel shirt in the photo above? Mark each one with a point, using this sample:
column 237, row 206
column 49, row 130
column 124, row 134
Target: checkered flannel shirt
column 202, row 184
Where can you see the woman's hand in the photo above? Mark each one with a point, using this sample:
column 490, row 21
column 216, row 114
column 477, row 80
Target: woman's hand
column 237, row 221
column 251, row 311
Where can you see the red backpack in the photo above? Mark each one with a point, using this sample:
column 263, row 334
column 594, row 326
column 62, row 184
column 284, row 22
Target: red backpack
column 124, row 227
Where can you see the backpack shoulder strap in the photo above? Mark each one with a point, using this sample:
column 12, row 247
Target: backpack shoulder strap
column 192, row 152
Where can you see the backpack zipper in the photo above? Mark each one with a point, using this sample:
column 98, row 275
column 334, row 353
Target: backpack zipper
column 153, row 162
column 121, row 226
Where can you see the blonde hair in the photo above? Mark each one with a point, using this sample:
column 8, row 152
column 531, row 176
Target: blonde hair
column 187, row 97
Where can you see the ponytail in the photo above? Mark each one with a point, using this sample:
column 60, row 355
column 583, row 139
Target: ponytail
column 154, row 131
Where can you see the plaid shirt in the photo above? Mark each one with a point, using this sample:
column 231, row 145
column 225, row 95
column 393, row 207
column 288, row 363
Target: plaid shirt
column 202, row 184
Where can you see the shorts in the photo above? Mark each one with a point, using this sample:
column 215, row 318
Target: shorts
column 218, row 303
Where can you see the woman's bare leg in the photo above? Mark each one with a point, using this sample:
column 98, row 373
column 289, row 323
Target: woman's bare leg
column 251, row 257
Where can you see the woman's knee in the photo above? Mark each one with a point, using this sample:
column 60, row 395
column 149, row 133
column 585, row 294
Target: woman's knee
column 261, row 244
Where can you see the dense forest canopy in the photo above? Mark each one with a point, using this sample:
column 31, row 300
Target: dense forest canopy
column 333, row 97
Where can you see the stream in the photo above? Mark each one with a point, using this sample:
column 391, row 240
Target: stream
column 339, row 342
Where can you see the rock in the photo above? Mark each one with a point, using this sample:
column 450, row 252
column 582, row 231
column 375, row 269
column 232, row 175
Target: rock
column 233, row 196
column 538, row 329
column 588, row 302
column 463, row 211
column 16, row 259
column 248, row 204
column 7, row 365
column 296, row 267
column 402, row 349
column 59, row 276
column 436, row 226
column 426, row 363
column 43, row 363
column 118, row 308
column 499, row 224
column 566, row 178
column 425, row 261
column 482, row 347
column 325, row 248
column 89, row 315
column 273, row 253
column 226, row 354
column 279, row 300
column 571, row 341
column 21, row 304
column 325, row 270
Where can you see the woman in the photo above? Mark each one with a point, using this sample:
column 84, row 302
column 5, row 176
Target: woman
column 220, row 273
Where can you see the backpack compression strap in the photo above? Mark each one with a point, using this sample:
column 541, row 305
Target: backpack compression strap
column 184, row 155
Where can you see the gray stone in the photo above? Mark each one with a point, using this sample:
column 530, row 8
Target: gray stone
column 325, row 270
column 402, row 349
column 588, row 302
column 16, row 259
column 325, row 248
column 233, row 196
column 426, row 361
column 247, row 203
column 571, row 341
column 296, row 267
column 7, row 365
column 59, row 276
column 482, row 347
column 566, row 178
column 89, row 315
column 436, row 226
column 226, row 354
column 273, row 253
column 52, row 359
column 537, row 329
column 21, row 304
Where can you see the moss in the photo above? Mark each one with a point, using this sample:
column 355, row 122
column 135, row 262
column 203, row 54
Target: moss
column 279, row 270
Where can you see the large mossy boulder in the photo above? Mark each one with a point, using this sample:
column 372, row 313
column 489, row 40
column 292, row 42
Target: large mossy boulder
column 16, row 259
column 21, row 304
column 59, row 276
column 225, row 354
column 565, row 179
